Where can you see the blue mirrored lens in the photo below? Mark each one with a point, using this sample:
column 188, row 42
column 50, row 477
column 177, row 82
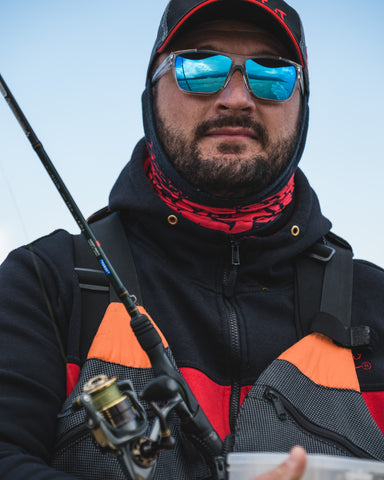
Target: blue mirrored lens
column 201, row 72
column 271, row 79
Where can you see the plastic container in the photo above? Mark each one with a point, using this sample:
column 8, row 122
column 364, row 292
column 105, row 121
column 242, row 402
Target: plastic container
column 247, row 466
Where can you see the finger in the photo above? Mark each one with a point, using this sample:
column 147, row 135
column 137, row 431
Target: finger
column 291, row 469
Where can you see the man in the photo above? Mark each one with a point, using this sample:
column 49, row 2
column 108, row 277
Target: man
column 234, row 261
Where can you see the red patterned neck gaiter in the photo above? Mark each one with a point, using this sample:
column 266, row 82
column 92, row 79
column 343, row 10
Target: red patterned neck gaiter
column 238, row 219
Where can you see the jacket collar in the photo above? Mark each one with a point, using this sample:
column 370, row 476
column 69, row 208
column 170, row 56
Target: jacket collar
column 133, row 194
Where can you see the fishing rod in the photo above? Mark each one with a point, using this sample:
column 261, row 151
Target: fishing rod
column 193, row 418
column 93, row 243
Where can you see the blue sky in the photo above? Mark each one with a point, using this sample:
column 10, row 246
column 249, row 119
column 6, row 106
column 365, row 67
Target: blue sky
column 77, row 69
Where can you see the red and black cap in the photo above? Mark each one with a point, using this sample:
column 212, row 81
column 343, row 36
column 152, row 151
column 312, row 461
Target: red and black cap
column 273, row 15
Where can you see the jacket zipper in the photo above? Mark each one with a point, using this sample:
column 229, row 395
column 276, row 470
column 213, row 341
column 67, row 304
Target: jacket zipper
column 230, row 277
column 72, row 435
column 283, row 407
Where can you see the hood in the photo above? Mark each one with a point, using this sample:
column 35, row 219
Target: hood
column 133, row 195
column 274, row 15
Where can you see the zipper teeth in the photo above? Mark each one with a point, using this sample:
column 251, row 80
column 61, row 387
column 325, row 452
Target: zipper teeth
column 234, row 404
column 235, row 359
column 71, row 435
column 234, row 338
column 320, row 431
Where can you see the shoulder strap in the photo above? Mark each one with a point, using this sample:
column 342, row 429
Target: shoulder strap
column 96, row 293
column 323, row 293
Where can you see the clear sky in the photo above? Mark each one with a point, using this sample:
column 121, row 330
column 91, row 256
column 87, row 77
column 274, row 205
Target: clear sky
column 77, row 69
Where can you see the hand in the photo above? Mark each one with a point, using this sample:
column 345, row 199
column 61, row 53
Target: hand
column 291, row 469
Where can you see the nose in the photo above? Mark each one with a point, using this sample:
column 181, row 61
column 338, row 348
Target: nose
column 235, row 96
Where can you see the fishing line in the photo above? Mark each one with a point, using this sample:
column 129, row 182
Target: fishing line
column 14, row 202
column 34, row 261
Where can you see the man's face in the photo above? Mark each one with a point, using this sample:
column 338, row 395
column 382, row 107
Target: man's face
column 229, row 144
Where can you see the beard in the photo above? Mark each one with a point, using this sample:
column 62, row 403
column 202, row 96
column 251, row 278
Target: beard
column 236, row 176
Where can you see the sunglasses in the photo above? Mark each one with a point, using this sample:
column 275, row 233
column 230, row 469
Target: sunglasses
column 205, row 72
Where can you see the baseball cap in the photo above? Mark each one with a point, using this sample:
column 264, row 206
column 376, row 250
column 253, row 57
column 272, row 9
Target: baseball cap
column 275, row 16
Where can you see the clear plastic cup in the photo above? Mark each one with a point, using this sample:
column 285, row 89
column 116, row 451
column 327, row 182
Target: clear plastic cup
column 247, row 466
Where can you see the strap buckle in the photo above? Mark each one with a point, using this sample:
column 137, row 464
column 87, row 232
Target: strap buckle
column 321, row 252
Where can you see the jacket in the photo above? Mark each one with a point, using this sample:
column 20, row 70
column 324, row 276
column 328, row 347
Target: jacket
column 225, row 304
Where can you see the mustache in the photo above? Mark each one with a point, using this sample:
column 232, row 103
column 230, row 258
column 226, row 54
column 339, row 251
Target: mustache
column 259, row 130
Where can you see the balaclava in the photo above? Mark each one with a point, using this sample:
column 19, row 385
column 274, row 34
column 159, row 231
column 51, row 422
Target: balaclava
column 275, row 16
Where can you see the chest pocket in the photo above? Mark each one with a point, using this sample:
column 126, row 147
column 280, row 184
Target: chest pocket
column 309, row 396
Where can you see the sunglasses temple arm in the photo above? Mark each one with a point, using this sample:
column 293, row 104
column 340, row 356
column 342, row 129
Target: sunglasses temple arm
column 163, row 68
column 301, row 81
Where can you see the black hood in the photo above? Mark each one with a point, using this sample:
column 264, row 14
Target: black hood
column 134, row 196
column 274, row 15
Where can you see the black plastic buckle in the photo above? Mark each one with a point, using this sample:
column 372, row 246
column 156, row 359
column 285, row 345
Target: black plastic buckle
column 321, row 252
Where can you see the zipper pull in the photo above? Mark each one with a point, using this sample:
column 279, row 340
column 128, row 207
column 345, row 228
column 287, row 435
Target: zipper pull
column 274, row 398
column 230, row 276
column 235, row 253
column 219, row 467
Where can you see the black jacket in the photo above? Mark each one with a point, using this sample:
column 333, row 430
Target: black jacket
column 226, row 319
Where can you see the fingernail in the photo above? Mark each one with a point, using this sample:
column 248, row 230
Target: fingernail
column 292, row 460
